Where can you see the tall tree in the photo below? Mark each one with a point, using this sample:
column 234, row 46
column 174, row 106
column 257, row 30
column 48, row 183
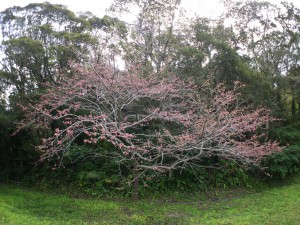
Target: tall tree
column 110, row 32
column 38, row 41
column 207, row 51
column 152, row 30
column 268, row 35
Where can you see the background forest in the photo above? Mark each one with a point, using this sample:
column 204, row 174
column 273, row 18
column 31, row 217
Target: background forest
column 165, row 102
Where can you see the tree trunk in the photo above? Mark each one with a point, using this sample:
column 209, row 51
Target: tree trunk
column 171, row 174
column 135, row 182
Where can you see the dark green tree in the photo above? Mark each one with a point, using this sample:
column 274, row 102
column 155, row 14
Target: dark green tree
column 38, row 42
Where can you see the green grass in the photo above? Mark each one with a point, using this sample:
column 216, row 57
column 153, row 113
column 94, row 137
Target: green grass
column 278, row 205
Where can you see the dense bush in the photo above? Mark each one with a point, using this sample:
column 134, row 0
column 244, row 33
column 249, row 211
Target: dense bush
column 17, row 153
column 287, row 134
column 283, row 164
column 102, row 177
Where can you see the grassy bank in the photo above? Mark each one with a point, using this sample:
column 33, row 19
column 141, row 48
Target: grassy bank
column 278, row 205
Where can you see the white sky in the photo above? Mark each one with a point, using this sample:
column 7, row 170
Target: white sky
column 206, row 8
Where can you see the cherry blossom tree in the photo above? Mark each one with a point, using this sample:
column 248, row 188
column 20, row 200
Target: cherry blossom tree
column 157, row 123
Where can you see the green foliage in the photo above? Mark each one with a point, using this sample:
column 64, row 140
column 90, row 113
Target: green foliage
column 40, row 39
column 84, row 169
column 225, row 174
column 257, row 89
column 230, row 174
column 286, row 134
column 97, row 176
column 283, row 164
column 6, row 127
column 17, row 154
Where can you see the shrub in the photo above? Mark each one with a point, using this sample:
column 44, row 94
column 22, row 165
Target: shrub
column 283, row 164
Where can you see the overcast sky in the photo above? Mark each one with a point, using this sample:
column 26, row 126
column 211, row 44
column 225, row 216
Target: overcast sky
column 206, row 8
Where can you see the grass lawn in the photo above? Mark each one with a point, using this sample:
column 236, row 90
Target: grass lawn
column 278, row 205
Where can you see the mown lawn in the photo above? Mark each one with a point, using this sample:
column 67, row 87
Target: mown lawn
column 278, row 205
